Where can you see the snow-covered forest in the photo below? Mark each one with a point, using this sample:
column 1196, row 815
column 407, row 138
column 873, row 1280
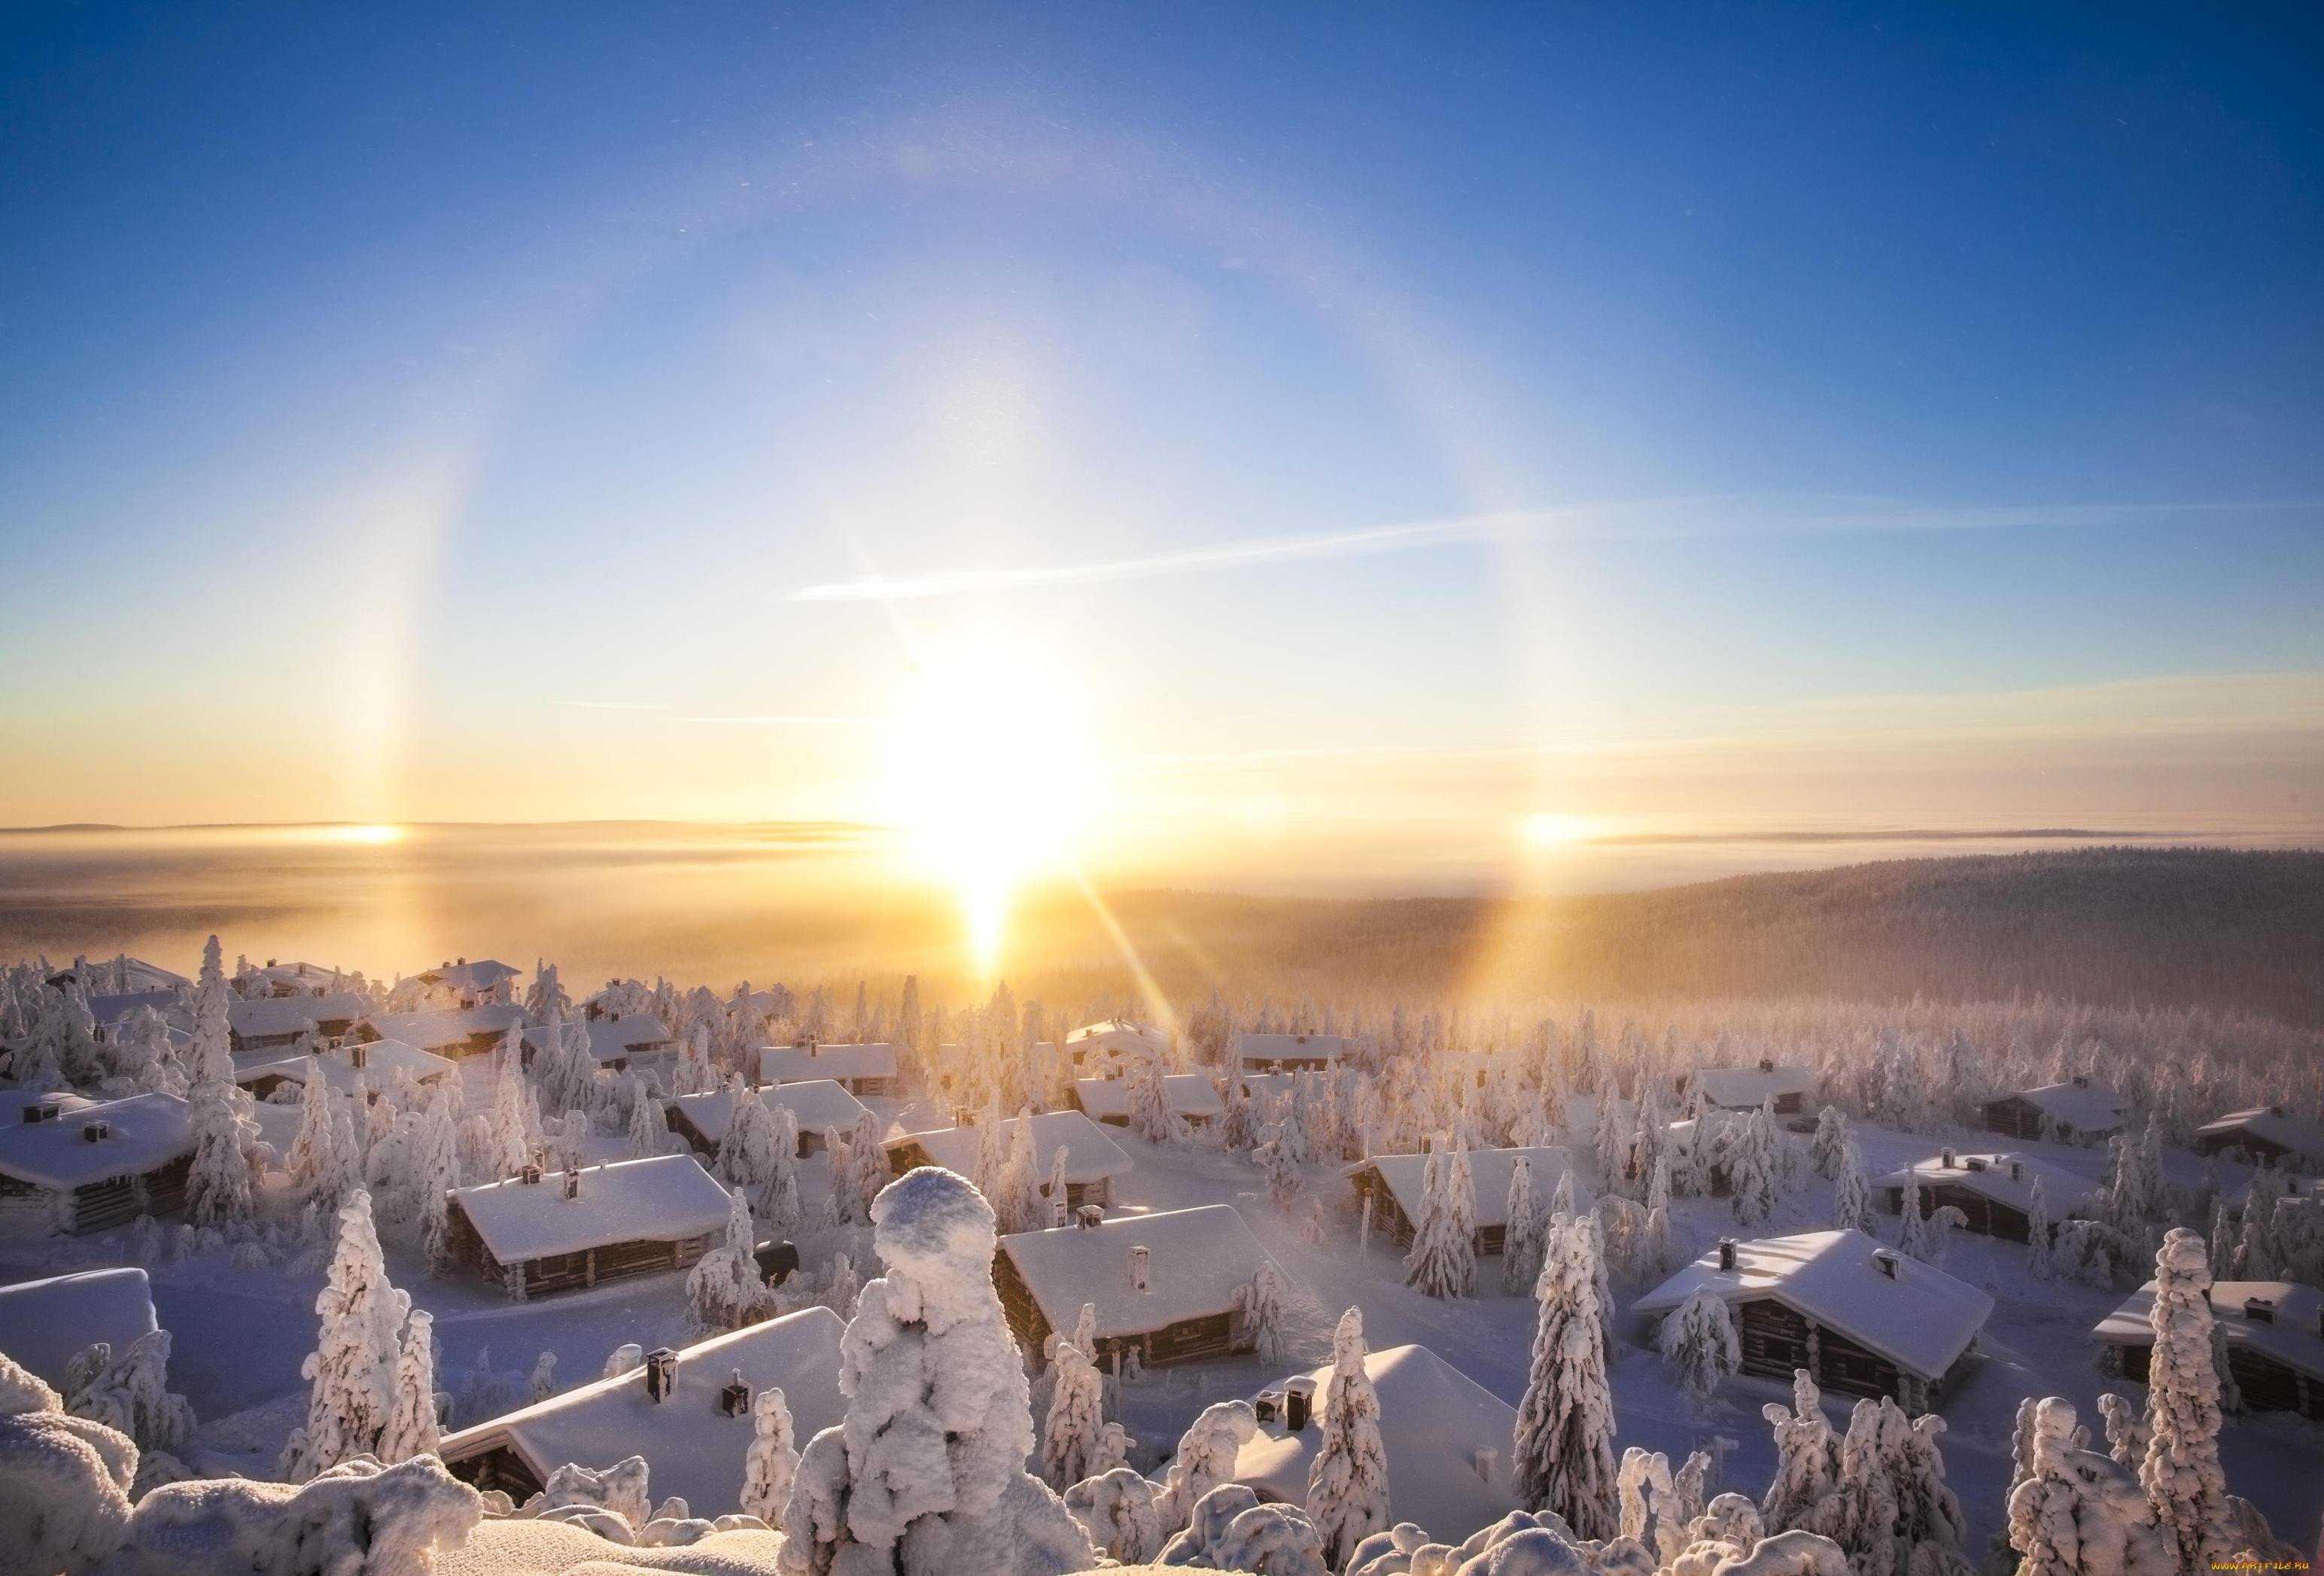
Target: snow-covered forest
column 482, row 1268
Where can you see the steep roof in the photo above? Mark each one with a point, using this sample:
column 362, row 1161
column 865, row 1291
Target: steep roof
column 1435, row 1419
column 798, row 1064
column 820, row 1105
column 1120, row 1036
column 1199, row 1262
column 45, row 1324
column 2062, row 1190
column 272, row 1016
column 142, row 975
column 107, row 1010
column 2297, row 1134
column 1090, row 1155
column 690, row 1448
column 1743, row 1088
column 610, row 1039
column 447, row 1026
column 481, row 975
column 382, row 1059
column 664, row 1198
column 1190, row 1094
column 1286, row 1047
column 1921, row 1319
column 2293, row 1338
column 2087, row 1107
column 1489, row 1168
column 147, row 1131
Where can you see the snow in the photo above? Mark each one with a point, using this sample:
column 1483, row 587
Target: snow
column 1489, row 1168
column 1117, row 1036
column 484, row 974
column 44, row 1323
column 2295, row 1337
column 1201, row 1260
column 147, row 1132
column 613, row 1039
column 691, row 1449
column 1189, row 1094
column 666, row 1198
column 1091, row 1155
column 1746, row 1088
column 1434, row 1420
column 1921, row 1319
column 1267, row 1050
column 383, row 1060
column 279, row 1018
column 110, row 1009
column 439, row 1028
column 819, row 1105
column 2091, row 1108
column 2304, row 1138
column 1990, row 1175
column 802, row 1064
column 362, row 1519
column 550, row 1548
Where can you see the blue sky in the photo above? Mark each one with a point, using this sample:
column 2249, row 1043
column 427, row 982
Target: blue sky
column 384, row 394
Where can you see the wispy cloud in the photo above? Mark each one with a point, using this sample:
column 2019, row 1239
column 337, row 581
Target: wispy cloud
column 1640, row 518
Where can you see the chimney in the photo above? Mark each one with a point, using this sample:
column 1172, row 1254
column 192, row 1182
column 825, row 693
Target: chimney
column 2017, row 1171
column 1140, row 1261
column 572, row 1183
column 1267, row 1406
column 2081, row 1080
column 735, row 1398
column 96, row 1132
column 1886, row 1262
column 1090, row 1215
column 1946, row 1160
column 1298, row 1403
column 661, row 1373
column 358, row 1053
column 42, row 1110
column 1727, row 1253
column 2259, row 1310
column 2275, row 1110
column 1976, row 1163
column 531, row 1175
column 1766, row 1064
column 1484, row 1460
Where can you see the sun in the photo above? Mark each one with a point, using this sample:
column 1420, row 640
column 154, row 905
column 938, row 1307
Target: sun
column 990, row 774
column 1549, row 829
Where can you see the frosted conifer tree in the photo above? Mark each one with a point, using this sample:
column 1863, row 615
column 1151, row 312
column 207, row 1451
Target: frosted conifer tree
column 2076, row 1513
column 1277, row 1156
column 1912, row 1226
column 2038, row 1262
column 2256, row 1250
column 924, row 1474
column 2222, row 1240
column 1830, row 1143
column 1699, row 1344
column 410, row 1429
column 1069, row 1434
column 772, row 1461
column 1564, row 1447
column 351, row 1372
column 2125, row 1429
column 1751, row 1169
column 724, row 1291
column 218, row 1185
column 858, row 1181
column 310, row 1145
column 1263, row 1311
column 648, row 1126
column 1851, row 1193
column 131, row 1392
column 2181, row 1473
column 1807, row 1457
column 1018, row 1203
column 1204, row 1459
column 746, row 1156
column 780, row 1203
column 1150, row 1116
column 543, row 1384
column 1347, row 1480
column 1442, row 1262
column 1526, row 1231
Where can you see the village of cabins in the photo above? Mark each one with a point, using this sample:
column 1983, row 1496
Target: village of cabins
column 1242, row 1128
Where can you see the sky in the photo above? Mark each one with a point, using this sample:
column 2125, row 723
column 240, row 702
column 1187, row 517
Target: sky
column 1222, row 439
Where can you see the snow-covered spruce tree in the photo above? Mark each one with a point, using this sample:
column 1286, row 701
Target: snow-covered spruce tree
column 64, row 1480
column 1442, row 1262
column 925, row 1475
column 1523, row 1235
column 772, row 1461
column 1751, row 1169
column 351, row 1372
column 648, row 1126
column 1018, row 1203
column 130, row 1391
column 746, row 1155
column 1347, row 1481
column 2181, row 1473
column 1699, row 1344
column 1150, row 1116
column 1204, row 1459
column 858, row 1182
column 1069, row 1434
column 543, row 1383
column 723, row 1290
column 2076, row 1513
column 1830, row 1143
column 410, row 1429
column 1851, row 1193
column 1662, row 1252
column 1912, row 1225
column 1277, row 1154
column 1263, row 1311
column 310, row 1145
column 1116, row 1508
column 1565, row 1424
column 1807, row 1457
column 2038, row 1263
column 2125, row 1429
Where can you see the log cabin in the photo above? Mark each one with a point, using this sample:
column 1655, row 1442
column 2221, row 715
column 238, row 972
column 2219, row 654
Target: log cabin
column 1170, row 1286
column 1192, row 1095
column 75, row 1164
column 274, row 1022
column 1994, row 1191
column 1392, row 1183
column 554, row 1232
column 2076, row 1112
column 618, row 1042
column 1749, row 1088
column 1092, row 1160
column 375, row 1061
column 820, row 1107
column 1289, row 1053
column 458, row 1032
column 2274, row 1335
column 2268, row 1135
column 864, row 1071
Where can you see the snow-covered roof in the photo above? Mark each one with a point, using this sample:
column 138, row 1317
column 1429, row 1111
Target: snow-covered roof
column 269, row 1016
column 664, row 1198
column 1489, row 1169
column 797, row 1064
column 691, row 1449
column 2293, row 1338
column 142, row 975
column 1190, row 1094
column 610, row 1039
column 383, row 1060
column 1199, row 1262
column 1090, row 1155
column 146, row 1132
column 1921, row 1319
column 2297, row 1134
column 1289, row 1047
column 447, row 1026
column 312, row 979
column 1120, row 1035
column 1744, row 1087
column 2087, row 1107
column 112, row 1009
column 481, row 975
column 820, row 1104
column 1434, row 1421
column 1993, row 1177
column 45, row 1324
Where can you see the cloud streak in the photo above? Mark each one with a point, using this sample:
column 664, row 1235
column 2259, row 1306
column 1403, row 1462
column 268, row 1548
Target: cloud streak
column 1638, row 519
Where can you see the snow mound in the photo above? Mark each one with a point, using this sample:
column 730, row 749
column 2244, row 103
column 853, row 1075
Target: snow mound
column 357, row 1519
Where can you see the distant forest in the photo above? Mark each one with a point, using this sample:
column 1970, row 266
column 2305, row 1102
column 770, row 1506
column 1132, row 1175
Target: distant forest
column 2217, row 928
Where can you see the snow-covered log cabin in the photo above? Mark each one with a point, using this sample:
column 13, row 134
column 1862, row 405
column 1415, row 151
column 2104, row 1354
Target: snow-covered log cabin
column 1092, row 1160
column 1393, row 1184
column 462, row 983
column 2076, row 1112
column 616, row 1042
column 291, row 978
column 1106, row 1045
column 1447, row 1438
column 44, row 1324
column 1859, row 1317
column 1170, row 1285
column 681, row 1411
column 455, row 1032
column 866, row 1070
column 90, row 1164
column 120, row 973
column 821, row 1106
column 271, row 1022
column 1994, row 1191
column 1749, row 1088
column 376, row 1062
column 553, row 1231
column 1289, row 1053
column 2267, row 1134
column 1192, row 1095
column 2275, row 1334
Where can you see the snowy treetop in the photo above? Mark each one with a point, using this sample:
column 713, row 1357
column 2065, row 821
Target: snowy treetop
column 819, row 1105
column 1091, row 1155
column 1199, row 1262
column 665, row 1198
column 143, row 1133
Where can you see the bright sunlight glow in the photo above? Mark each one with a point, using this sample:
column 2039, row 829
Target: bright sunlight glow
column 1549, row 830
